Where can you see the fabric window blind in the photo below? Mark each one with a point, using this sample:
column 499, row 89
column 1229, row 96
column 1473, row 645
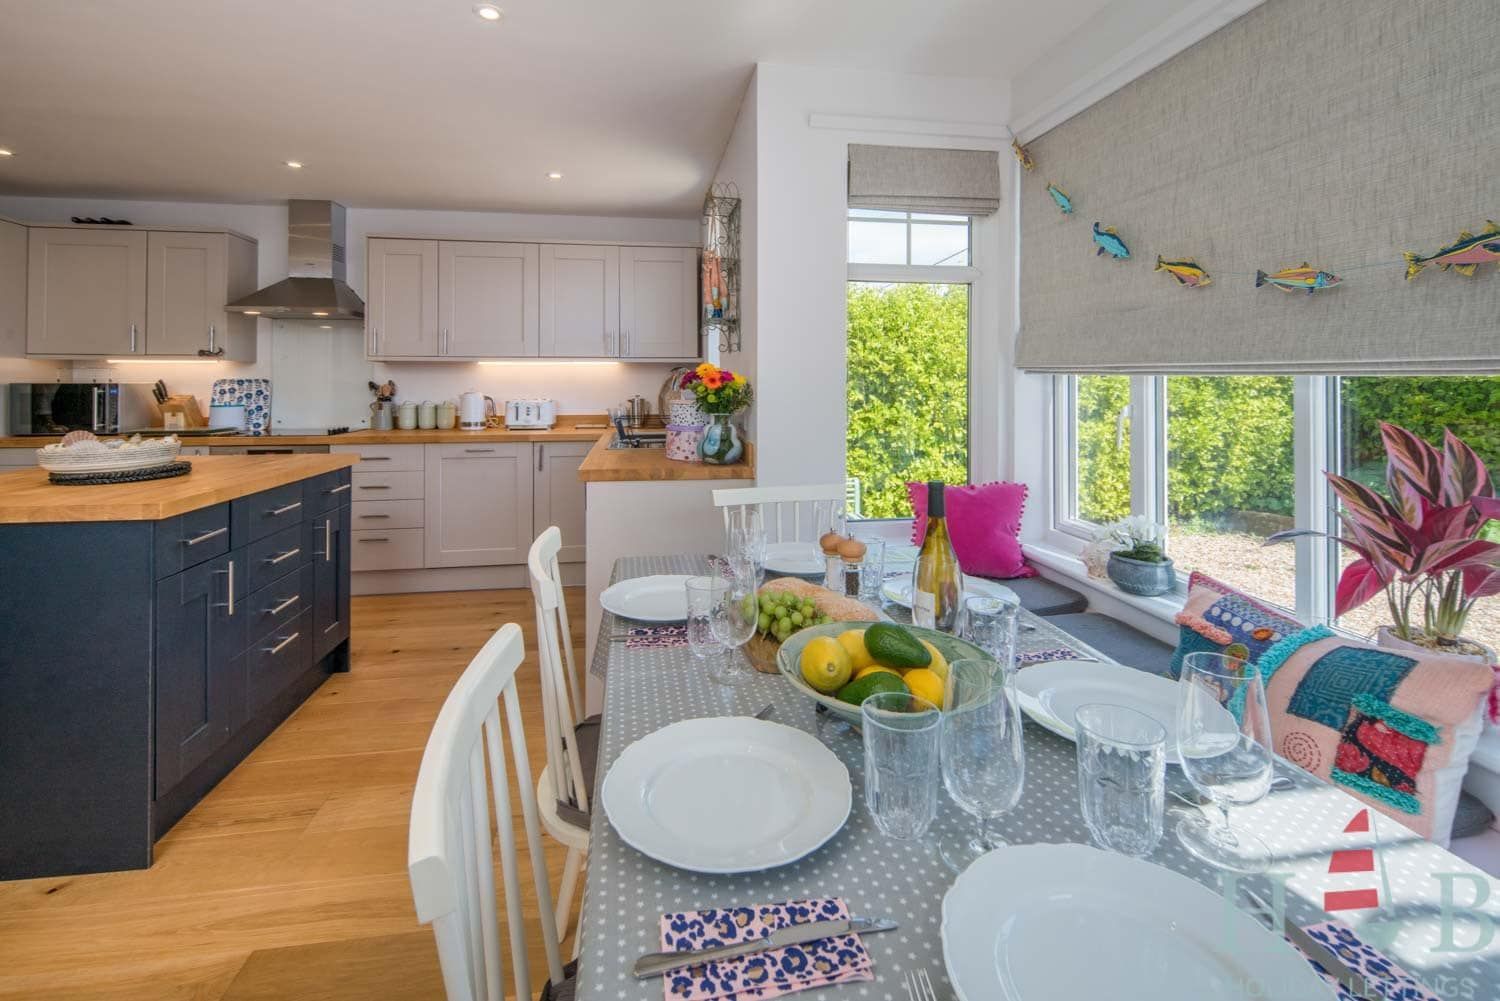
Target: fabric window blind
column 1336, row 132
column 908, row 179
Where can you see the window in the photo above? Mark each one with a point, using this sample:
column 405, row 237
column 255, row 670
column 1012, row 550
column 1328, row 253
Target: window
column 1100, row 450
column 909, row 305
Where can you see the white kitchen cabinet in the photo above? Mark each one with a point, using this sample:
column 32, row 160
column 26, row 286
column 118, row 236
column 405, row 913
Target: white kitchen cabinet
column 487, row 299
column 658, row 302
column 86, row 292
column 401, row 299
column 12, row 289
column 190, row 277
column 478, row 505
column 580, row 301
column 558, row 495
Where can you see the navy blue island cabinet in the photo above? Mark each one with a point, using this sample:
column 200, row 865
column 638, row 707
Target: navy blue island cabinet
column 151, row 635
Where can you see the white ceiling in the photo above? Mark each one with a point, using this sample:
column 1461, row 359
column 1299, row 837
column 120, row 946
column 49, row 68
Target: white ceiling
column 419, row 104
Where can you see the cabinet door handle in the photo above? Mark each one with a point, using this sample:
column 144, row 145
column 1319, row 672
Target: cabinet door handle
column 445, row 341
column 211, row 334
column 625, row 340
column 374, row 516
column 282, row 645
column 283, row 557
column 374, row 458
column 378, row 538
column 606, row 342
column 539, row 454
column 132, row 338
column 374, row 486
column 294, row 505
column 341, row 488
column 328, row 540
column 205, row 537
column 478, row 450
column 283, row 606
column 229, row 605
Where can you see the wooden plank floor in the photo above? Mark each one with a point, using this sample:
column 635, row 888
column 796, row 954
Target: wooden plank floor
column 288, row 881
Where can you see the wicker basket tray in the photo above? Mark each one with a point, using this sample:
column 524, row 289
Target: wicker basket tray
column 761, row 651
column 113, row 456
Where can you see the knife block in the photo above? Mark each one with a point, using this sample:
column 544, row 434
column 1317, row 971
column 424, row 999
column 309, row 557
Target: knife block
column 181, row 411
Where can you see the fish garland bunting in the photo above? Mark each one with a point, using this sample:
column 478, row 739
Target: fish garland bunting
column 1110, row 243
column 1302, row 278
column 1187, row 272
column 1061, row 198
column 1464, row 255
column 1022, row 156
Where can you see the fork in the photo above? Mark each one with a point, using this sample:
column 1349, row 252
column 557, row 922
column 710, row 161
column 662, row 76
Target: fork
column 919, row 986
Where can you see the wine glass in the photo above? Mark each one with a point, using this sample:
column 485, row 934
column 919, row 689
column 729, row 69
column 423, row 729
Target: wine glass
column 736, row 612
column 747, row 536
column 702, row 598
column 984, row 759
column 990, row 624
column 1224, row 741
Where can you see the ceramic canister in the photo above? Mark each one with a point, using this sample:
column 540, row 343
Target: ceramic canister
column 447, row 415
column 406, row 416
column 682, row 442
column 427, row 415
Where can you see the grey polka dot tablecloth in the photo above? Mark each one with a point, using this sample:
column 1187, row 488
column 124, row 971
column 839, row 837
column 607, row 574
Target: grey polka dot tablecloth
column 1428, row 896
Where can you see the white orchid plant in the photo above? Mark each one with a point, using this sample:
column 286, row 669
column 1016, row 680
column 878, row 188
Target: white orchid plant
column 1135, row 538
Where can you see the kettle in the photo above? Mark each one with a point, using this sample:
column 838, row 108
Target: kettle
column 474, row 411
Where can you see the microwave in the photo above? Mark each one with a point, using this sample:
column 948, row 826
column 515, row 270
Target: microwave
column 49, row 408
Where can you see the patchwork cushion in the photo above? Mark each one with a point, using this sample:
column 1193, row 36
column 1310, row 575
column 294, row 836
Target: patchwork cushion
column 984, row 522
column 1041, row 596
column 1118, row 641
column 1216, row 617
column 1393, row 728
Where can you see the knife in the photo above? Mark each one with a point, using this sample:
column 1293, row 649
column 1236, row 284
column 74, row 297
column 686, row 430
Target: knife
column 654, row 964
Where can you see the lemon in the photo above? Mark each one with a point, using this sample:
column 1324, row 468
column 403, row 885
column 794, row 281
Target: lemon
column 925, row 683
column 825, row 665
column 875, row 669
column 939, row 665
column 853, row 642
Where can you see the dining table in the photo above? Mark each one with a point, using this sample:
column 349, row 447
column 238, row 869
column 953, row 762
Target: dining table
column 1438, row 915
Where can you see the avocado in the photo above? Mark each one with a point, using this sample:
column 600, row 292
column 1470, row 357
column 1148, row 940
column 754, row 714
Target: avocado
column 856, row 692
column 893, row 646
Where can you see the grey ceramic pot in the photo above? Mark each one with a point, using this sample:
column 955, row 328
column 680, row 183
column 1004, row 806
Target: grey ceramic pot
column 1138, row 577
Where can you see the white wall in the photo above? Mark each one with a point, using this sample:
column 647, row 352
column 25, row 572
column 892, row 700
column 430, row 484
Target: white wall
column 326, row 378
column 801, row 253
column 739, row 166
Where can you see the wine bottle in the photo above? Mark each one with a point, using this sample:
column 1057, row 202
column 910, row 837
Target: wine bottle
column 937, row 582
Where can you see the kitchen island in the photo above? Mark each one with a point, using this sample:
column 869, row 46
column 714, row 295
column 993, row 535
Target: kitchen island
column 155, row 633
column 640, row 503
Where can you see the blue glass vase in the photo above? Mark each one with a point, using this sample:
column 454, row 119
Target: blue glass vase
column 721, row 445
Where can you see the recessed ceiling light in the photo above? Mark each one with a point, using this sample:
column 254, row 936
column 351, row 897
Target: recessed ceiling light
column 6, row 152
column 252, row 312
column 488, row 12
column 319, row 313
column 554, row 176
column 294, row 164
column 325, row 326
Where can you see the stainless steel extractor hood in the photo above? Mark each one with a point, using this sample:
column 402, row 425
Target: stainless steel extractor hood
column 315, row 288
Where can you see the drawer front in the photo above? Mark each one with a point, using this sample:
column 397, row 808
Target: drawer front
column 397, row 549
column 258, row 515
column 189, row 538
column 326, row 492
column 278, row 603
column 277, row 555
column 385, row 458
column 387, row 514
column 277, row 659
column 387, row 486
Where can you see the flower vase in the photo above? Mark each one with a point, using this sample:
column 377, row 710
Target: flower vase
column 721, row 444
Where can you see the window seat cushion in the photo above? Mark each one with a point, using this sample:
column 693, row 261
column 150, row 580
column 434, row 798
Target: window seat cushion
column 1041, row 596
column 1115, row 639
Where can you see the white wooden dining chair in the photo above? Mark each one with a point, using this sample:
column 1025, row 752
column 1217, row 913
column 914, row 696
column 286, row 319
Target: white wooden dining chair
column 566, row 782
column 464, row 775
column 782, row 509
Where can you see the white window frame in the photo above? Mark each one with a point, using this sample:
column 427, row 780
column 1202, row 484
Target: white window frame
column 906, row 220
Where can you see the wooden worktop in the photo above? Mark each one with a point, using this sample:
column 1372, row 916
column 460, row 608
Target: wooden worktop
column 566, row 430
column 27, row 498
column 605, row 464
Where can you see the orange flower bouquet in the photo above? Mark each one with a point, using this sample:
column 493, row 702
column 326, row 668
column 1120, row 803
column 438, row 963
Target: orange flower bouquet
column 718, row 390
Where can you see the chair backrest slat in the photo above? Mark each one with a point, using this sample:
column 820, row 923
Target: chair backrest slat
column 449, row 857
column 775, row 503
column 562, row 699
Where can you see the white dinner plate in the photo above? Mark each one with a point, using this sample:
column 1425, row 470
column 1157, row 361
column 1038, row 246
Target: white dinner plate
column 727, row 794
column 662, row 598
column 897, row 590
column 798, row 558
column 1051, row 694
column 1042, row 922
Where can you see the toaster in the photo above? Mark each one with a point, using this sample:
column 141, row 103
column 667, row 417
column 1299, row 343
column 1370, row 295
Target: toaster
column 532, row 414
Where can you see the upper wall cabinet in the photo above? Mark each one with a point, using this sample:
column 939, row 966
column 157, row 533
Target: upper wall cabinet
column 658, row 302
column 121, row 293
column 446, row 299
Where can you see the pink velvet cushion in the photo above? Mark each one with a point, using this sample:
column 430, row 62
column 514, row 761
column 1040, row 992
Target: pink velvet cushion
column 984, row 521
column 1394, row 728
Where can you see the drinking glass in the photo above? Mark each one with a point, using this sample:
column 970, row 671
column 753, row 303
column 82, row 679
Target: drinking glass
column 872, row 573
column 747, row 536
column 984, row 759
column 702, row 598
column 901, row 762
column 1224, row 741
column 990, row 624
column 735, row 615
column 1122, row 777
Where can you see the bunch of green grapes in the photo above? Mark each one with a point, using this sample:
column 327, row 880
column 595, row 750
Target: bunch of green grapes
column 783, row 613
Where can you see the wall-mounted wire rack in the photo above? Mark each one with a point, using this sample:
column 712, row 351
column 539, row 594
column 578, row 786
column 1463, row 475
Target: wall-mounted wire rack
column 719, row 316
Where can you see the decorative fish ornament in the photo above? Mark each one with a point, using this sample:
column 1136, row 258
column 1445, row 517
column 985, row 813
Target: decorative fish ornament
column 1304, row 277
column 1463, row 256
column 1110, row 243
column 1022, row 157
column 1061, row 198
column 1187, row 272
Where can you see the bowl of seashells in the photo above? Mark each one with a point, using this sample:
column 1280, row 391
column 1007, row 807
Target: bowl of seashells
column 82, row 452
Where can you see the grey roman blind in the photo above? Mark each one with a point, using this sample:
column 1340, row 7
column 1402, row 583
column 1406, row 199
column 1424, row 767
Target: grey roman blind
column 1336, row 132
column 907, row 179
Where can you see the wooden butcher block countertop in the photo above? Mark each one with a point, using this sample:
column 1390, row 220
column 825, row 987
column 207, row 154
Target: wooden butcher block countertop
column 27, row 498
column 566, row 429
column 605, row 464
